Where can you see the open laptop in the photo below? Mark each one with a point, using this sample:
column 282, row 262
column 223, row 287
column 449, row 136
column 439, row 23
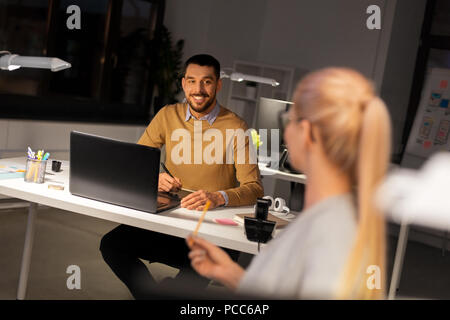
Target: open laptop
column 117, row 172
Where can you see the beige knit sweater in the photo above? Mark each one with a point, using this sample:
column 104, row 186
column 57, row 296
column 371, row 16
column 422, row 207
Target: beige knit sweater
column 209, row 170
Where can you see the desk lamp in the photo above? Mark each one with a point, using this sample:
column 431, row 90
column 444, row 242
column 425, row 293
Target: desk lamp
column 239, row 77
column 12, row 62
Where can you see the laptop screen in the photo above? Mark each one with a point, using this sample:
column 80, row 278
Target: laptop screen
column 112, row 171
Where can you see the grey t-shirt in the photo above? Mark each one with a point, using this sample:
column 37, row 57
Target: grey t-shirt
column 307, row 258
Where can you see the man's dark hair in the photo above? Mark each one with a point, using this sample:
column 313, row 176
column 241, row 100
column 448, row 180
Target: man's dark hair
column 204, row 60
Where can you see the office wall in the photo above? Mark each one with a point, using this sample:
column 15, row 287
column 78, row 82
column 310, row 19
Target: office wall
column 305, row 35
column 316, row 34
column 54, row 137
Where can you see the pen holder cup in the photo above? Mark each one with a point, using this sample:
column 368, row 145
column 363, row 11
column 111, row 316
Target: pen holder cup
column 35, row 170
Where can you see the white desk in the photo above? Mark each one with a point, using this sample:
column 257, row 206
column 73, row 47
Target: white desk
column 178, row 222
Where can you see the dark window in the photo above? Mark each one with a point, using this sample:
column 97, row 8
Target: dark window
column 111, row 56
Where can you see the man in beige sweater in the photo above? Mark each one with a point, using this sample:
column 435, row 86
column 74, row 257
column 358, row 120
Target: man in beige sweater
column 196, row 117
column 203, row 153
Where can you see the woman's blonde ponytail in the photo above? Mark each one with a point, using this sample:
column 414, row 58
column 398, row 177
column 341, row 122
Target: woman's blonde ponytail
column 372, row 161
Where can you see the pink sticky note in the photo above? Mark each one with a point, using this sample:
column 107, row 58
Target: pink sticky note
column 444, row 84
column 225, row 221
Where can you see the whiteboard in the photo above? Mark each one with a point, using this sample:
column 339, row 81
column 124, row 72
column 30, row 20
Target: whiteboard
column 430, row 131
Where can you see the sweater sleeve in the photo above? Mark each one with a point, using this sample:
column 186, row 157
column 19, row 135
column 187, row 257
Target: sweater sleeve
column 247, row 174
column 155, row 134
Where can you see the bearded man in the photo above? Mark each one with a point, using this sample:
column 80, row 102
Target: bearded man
column 222, row 183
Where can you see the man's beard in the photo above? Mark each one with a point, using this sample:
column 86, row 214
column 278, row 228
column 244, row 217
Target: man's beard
column 208, row 103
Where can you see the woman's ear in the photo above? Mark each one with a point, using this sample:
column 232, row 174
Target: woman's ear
column 307, row 133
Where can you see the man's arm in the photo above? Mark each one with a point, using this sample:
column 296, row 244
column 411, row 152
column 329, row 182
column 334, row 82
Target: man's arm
column 155, row 133
column 155, row 136
column 247, row 174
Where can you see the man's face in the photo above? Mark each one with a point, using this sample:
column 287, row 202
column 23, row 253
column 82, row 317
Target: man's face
column 200, row 86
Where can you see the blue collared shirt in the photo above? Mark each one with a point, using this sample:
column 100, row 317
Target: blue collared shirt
column 210, row 117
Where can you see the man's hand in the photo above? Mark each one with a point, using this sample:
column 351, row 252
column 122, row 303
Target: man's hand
column 197, row 200
column 168, row 184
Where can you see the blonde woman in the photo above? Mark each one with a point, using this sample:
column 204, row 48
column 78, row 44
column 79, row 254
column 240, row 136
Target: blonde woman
column 338, row 134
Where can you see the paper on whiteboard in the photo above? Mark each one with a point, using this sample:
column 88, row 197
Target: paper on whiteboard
column 430, row 131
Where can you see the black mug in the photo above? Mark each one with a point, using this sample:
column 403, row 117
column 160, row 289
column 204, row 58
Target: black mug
column 56, row 165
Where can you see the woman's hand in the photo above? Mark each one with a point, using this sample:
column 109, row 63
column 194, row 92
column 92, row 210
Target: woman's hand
column 212, row 262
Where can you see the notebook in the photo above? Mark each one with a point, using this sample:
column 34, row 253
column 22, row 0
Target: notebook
column 280, row 223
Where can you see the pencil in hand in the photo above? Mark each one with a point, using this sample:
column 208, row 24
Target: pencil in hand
column 167, row 170
column 205, row 209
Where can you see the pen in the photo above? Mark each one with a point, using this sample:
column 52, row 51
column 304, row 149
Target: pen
column 166, row 170
column 46, row 155
column 30, row 153
column 208, row 203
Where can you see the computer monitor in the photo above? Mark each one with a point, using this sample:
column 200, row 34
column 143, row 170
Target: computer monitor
column 268, row 117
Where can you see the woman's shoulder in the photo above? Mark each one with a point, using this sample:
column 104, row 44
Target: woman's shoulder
column 332, row 221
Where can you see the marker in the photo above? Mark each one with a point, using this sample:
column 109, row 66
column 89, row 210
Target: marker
column 225, row 221
column 46, row 156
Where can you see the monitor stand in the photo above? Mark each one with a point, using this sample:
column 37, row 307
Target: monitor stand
column 284, row 163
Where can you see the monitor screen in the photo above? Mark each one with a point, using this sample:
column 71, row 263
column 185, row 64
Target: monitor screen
column 268, row 117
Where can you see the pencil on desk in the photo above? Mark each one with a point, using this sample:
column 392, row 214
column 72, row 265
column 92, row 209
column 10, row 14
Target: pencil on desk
column 29, row 173
column 36, row 171
column 31, row 170
column 208, row 203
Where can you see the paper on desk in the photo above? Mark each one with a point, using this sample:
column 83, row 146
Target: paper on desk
column 10, row 172
column 419, row 197
column 11, row 175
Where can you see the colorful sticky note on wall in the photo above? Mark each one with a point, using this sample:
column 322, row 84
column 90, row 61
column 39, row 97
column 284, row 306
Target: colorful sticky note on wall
column 444, row 103
column 435, row 98
column 444, row 84
column 427, row 144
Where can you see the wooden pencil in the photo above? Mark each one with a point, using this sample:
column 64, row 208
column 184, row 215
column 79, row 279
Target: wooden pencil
column 205, row 209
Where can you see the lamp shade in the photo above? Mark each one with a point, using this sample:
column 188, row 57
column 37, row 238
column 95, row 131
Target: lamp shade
column 13, row 61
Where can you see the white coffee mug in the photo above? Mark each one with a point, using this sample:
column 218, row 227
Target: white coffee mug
column 280, row 206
